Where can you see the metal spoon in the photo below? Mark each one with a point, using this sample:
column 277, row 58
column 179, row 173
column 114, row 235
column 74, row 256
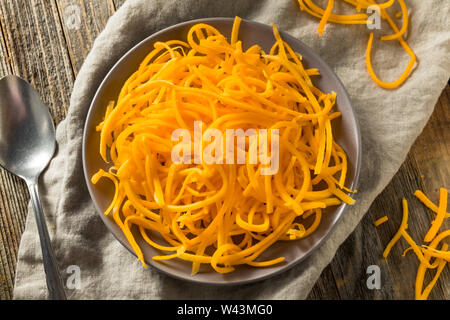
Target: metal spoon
column 27, row 143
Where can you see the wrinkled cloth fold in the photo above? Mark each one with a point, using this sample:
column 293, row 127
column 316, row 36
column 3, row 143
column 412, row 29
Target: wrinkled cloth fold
column 390, row 121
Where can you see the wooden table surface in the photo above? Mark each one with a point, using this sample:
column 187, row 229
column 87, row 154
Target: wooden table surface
column 46, row 42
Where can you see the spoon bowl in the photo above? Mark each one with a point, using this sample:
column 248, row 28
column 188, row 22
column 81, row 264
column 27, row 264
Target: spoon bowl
column 27, row 143
column 27, row 134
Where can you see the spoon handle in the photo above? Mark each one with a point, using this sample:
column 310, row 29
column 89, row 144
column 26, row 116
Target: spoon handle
column 54, row 281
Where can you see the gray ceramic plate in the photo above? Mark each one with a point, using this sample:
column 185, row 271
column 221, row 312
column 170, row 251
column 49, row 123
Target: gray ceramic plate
column 345, row 129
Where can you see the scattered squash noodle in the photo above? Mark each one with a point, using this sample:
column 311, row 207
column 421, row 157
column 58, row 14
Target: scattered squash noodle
column 220, row 214
column 380, row 221
column 425, row 253
column 361, row 18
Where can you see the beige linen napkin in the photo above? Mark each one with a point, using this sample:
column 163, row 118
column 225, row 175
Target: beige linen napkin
column 390, row 122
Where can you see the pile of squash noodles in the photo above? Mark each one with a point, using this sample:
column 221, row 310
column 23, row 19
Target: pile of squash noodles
column 220, row 214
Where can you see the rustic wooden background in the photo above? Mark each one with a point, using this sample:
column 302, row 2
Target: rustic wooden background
column 38, row 43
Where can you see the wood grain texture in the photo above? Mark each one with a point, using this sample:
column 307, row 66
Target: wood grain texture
column 11, row 225
column 38, row 51
column 427, row 168
column 46, row 42
column 34, row 48
column 82, row 21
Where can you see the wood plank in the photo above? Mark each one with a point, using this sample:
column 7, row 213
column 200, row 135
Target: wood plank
column 118, row 3
column 11, row 226
column 402, row 271
column 432, row 154
column 13, row 205
column 82, row 21
column 354, row 257
column 37, row 48
column 325, row 288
